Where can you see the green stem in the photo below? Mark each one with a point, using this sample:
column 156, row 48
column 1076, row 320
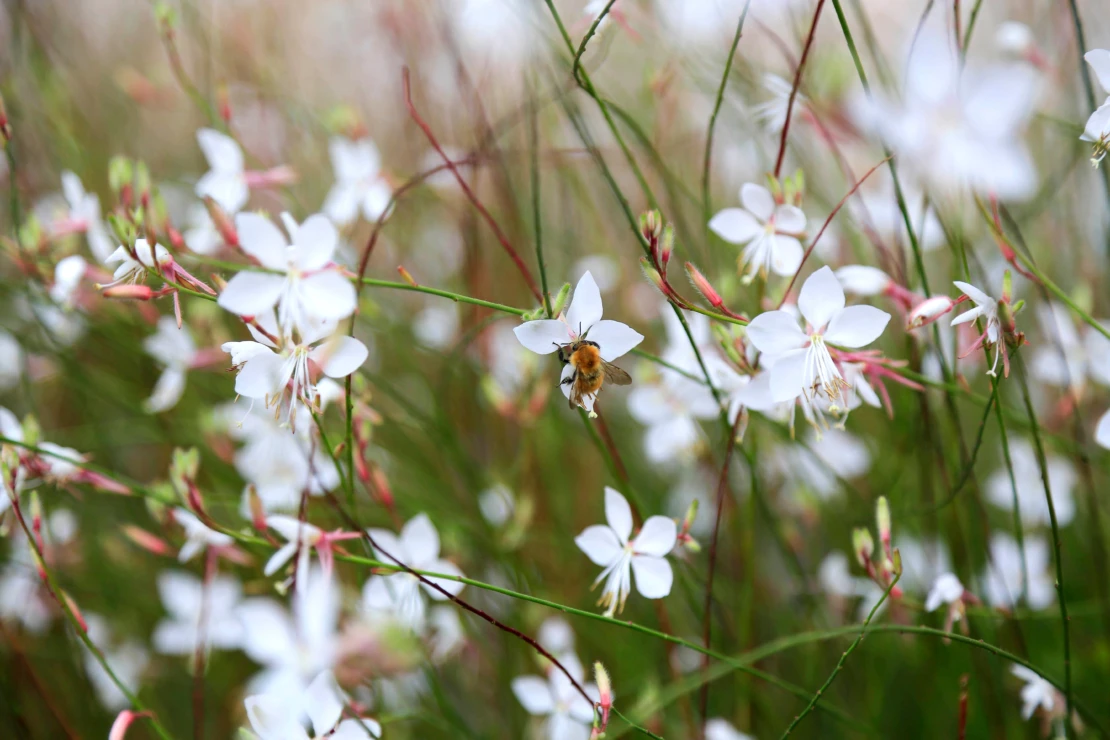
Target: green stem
column 586, row 39
column 537, row 217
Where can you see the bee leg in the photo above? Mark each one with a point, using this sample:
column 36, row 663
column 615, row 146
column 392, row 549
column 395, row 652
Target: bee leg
column 569, row 379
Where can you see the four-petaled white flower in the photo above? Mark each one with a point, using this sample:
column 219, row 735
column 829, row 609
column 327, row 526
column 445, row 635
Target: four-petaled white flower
column 722, row 729
column 175, row 350
column 1036, row 693
column 581, row 320
column 359, row 184
column 800, row 360
column 986, row 308
column 769, row 229
column 198, row 536
column 84, row 215
column 1097, row 130
column 197, row 611
column 226, row 180
column 645, row 554
column 273, row 718
column 399, row 595
column 67, row 279
column 1004, row 576
column 304, row 283
column 946, row 589
column 568, row 713
column 132, row 270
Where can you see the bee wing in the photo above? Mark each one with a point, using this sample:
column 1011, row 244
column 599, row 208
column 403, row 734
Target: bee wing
column 575, row 397
column 615, row 375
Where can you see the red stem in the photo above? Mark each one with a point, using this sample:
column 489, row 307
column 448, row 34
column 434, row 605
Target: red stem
column 797, row 82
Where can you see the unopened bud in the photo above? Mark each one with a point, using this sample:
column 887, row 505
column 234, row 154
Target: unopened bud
column 146, row 540
column 120, row 174
column 142, row 182
column 258, row 512
column 222, row 222
column 897, row 562
column 605, row 692
column 702, row 286
column 653, row 275
column 223, row 102
column 560, row 300
column 666, row 246
column 650, row 224
column 123, row 721
column 862, row 545
column 132, row 292
column 882, row 520
column 1007, row 286
column 166, row 17
column 5, row 126
column 381, row 485
column 691, row 514
column 406, row 276
column 76, row 612
column 929, row 311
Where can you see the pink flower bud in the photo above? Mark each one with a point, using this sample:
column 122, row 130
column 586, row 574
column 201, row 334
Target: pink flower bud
column 929, row 311
column 406, row 276
column 146, row 540
column 653, row 275
column 123, row 721
column 76, row 612
column 132, row 292
column 605, row 689
column 702, row 286
column 222, row 223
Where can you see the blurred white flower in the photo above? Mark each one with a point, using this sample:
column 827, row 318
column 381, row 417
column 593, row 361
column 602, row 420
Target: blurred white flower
column 401, row 595
column 957, row 127
column 1066, row 358
column 722, row 729
column 581, row 320
column 198, row 536
column 437, row 325
column 132, row 270
column 84, row 215
column 201, row 235
column 446, row 636
column 645, row 554
column 1036, row 693
column 272, row 718
column 496, row 504
column 770, row 230
column 197, row 610
column 802, row 364
column 1031, row 500
column 819, row 463
column 1097, row 130
column 11, row 361
column 556, row 636
column 174, row 349
column 985, row 308
column 877, row 209
column 226, row 180
column 359, row 183
column 67, row 279
column 304, row 283
column 568, row 714
column 861, row 280
column 1003, row 577
column 128, row 660
column 947, row 589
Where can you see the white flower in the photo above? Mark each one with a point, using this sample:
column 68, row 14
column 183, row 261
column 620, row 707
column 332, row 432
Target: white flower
column 272, row 718
column 645, row 554
column 1003, row 577
column 1036, row 693
column 1031, row 500
column 568, row 713
column 818, row 464
column 877, row 209
column 67, row 278
column 802, row 364
column 131, row 270
column 174, row 349
column 1097, row 129
column 401, row 595
column 11, row 361
column 201, row 235
column 496, row 504
column 226, row 180
column 359, row 185
column 770, row 231
column 1102, row 430
column 196, row 609
column 308, row 289
column 197, row 535
column 556, row 636
column 128, row 660
column 986, row 308
column 582, row 319
column 721, row 729
column 84, row 213
column 268, row 375
column 1067, row 358
column 947, row 589
column 293, row 649
column 862, row 280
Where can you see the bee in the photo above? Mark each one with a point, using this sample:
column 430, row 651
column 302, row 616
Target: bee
column 590, row 371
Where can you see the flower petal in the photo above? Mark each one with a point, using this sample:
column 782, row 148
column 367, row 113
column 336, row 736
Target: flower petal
column 614, row 338
column 1099, row 59
column 341, row 205
column 534, row 695
column 775, row 332
column 821, row 297
column 420, row 540
column 376, row 200
column 653, row 576
column 585, row 305
column 167, row 391
column 542, row 337
column 222, row 152
column 1102, row 432
column 316, row 241
column 323, row 703
column 600, row 544
column 251, row 293
column 282, row 556
column 786, row 255
column 790, row 219
column 758, row 200
column 261, row 375
column 228, row 189
column 788, row 376
column 856, row 326
column 657, row 537
column 618, row 513
column 339, row 356
column 735, row 225
column 447, row 568
column 262, row 239
column 329, row 294
column 980, row 298
column 862, row 280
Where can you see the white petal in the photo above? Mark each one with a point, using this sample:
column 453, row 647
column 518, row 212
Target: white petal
column 272, row 717
column 614, row 338
column 542, row 337
column 316, row 242
column 657, row 537
column 282, row 556
column 357, row 729
column 251, row 293
column 980, row 298
column 353, row 160
column 1102, row 431
column 786, row 255
column 653, row 576
column 340, row 356
column 167, row 391
column 260, row 376
column 821, row 297
column 788, row 376
column 735, row 225
column 222, row 152
column 228, row 189
column 420, row 540
column 790, row 218
column 447, row 568
column 342, row 202
column 600, row 544
column 862, row 280
column 323, row 702
column 1098, row 125
column 533, row 695
column 856, row 326
column 376, row 200
column 262, row 239
column 758, row 200
column 242, row 351
column 585, row 305
column 618, row 513
column 1099, row 59
column 775, row 332
column 329, row 295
